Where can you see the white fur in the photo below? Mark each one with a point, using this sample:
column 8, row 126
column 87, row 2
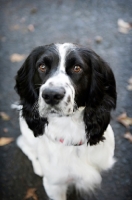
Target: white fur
column 61, row 164
column 62, row 50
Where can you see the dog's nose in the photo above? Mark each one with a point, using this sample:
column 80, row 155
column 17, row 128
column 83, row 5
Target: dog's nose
column 53, row 95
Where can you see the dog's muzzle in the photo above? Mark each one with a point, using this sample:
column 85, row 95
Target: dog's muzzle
column 56, row 96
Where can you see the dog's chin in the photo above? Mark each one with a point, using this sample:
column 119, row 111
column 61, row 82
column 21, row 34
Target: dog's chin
column 54, row 112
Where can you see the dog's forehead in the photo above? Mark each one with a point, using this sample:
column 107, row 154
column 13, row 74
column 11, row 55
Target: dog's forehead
column 63, row 50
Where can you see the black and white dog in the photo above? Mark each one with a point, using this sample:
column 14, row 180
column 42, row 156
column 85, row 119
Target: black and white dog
column 67, row 93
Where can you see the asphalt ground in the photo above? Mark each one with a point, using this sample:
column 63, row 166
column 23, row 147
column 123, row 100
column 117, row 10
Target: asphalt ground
column 27, row 24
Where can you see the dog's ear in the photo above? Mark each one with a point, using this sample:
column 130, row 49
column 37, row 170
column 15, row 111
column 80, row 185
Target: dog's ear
column 24, row 78
column 101, row 99
column 28, row 95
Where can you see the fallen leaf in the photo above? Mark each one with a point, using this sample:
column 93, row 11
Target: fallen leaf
column 33, row 10
column 129, row 87
column 17, row 57
column 130, row 80
column 125, row 120
column 5, row 130
column 15, row 27
column 5, row 141
column 123, row 27
column 4, row 116
column 98, row 39
column 31, row 194
column 128, row 136
column 31, row 27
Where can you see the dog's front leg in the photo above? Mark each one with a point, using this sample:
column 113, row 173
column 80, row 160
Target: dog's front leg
column 55, row 192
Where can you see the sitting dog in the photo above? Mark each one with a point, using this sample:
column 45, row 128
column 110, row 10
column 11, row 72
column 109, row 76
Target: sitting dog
column 66, row 94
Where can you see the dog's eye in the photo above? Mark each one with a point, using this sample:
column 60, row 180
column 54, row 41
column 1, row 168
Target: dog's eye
column 77, row 69
column 42, row 68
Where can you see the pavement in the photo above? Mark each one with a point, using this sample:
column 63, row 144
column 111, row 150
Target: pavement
column 27, row 24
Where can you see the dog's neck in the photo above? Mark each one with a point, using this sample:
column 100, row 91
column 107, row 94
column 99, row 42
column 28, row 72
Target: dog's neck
column 67, row 130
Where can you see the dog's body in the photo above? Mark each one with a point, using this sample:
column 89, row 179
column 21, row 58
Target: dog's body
column 69, row 111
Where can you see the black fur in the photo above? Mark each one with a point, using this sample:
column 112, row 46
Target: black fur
column 25, row 87
column 95, row 89
column 101, row 98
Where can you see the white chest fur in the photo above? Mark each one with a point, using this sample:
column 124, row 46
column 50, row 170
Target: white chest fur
column 67, row 130
column 61, row 162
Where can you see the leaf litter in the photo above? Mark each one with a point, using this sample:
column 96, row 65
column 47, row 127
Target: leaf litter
column 4, row 116
column 5, row 140
column 124, row 27
column 128, row 136
column 31, row 193
column 17, row 57
column 127, row 122
column 124, row 120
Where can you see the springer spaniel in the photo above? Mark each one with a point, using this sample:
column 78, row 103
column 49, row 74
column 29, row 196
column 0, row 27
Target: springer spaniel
column 66, row 94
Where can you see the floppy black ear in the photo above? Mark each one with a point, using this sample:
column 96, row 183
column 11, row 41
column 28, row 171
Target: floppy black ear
column 28, row 94
column 101, row 99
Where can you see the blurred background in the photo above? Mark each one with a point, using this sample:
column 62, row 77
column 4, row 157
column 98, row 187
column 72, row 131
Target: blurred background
column 106, row 27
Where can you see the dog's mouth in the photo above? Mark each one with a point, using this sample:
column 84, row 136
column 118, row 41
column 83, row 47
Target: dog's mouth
column 53, row 111
column 62, row 109
column 59, row 112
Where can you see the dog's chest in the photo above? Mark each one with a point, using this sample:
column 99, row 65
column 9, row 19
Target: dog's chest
column 60, row 162
column 58, row 150
column 66, row 130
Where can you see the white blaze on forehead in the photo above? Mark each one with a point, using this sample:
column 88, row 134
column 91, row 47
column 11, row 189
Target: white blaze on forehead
column 63, row 49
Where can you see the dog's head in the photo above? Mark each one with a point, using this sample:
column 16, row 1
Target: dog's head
column 57, row 79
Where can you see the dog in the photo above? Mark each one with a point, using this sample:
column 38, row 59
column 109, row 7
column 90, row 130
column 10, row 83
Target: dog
column 66, row 94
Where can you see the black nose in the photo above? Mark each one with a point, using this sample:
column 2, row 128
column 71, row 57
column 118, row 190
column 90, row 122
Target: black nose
column 53, row 95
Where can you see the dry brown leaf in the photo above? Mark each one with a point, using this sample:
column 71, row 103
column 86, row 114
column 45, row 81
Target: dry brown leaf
column 4, row 116
column 31, row 27
column 31, row 194
column 17, row 57
column 125, row 120
column 5, row 141
column 33, row 10
column 128, row 136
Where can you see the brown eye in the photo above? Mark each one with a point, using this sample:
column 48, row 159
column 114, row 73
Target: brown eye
column 77, row 69
column 42, row 68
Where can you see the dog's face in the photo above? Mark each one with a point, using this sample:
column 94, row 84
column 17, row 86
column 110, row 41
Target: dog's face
column 64, row 79
column 60, row 78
